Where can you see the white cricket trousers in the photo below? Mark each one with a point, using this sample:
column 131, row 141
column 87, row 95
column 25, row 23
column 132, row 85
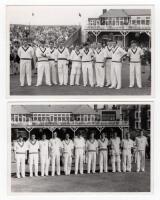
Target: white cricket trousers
column 91, row 161
column 55, row 162
column 108, row 71
column 44, row 161
column 43, row 67
column 87, row 71
column 79, row 160
column 62, row 72
column 115, row 159
column 25, row 70
column 103, row 160
column 67, row 163
column 53, row 69
column 20, row 161
column 135, row 71
column 33, row 161
column 116, row 68
column 140, row 161
column 75, row 73
column 100, row 74
column 126, row 160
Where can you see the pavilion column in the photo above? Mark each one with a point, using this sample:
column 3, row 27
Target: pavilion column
column 124, row 34
column 96, row 33
column 29, row 130
column 52, row 129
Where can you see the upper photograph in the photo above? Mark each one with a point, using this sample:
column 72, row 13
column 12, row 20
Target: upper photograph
column 79, row 50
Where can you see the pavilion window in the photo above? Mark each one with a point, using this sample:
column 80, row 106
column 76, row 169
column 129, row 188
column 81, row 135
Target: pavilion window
column 143, row 21
column 147, row 22
column 16, row 118
column 63, row 117
column 52, row 118
column 20, row 118
column 39, row 117
column 138, row 20
column 125, row 20
column 35, row 117
column 55, row 118
column 98, row 22
column 133, row 22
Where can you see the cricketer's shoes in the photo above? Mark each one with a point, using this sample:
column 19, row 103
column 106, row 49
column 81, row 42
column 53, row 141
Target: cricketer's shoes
column 139, row 87
column 112, row 87
column 118, row 88
column 37, row 85
column 108, row 84
column 49, row 84
column 131, row 86
column 21, row 85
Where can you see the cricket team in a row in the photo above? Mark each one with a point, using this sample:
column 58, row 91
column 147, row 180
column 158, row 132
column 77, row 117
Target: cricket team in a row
column 50, row 152
column 54, row 62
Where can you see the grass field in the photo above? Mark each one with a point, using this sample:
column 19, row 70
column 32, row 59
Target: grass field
column 15, row 89
column 105, row 182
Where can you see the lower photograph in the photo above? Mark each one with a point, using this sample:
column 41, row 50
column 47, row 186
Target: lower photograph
column 79, row 147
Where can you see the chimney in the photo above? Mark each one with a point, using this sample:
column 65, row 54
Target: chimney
column 104, row 11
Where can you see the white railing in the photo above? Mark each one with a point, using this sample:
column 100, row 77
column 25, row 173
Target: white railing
column 118, row 27
column 70, row 123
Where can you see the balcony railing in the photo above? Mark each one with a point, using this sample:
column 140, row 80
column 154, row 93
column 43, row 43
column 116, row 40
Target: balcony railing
column 119, row 27
column 70, row 123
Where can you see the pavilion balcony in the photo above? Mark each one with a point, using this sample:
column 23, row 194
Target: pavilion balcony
column 68, row 123
column 129, row 27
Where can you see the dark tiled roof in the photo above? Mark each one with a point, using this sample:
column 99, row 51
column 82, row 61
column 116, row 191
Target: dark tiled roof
column 126, row 12
column 17, row 109
column 138, row 12
column 26, row 109
column 84, row 109
column 115, row 13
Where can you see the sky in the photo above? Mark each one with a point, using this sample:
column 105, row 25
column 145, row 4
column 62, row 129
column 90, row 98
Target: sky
column 52, row 15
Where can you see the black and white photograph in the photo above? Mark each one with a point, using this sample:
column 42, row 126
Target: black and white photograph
column 79, row 147
column 79, row 50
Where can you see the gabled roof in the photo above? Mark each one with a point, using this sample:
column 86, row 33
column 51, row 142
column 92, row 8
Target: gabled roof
column 84, row 109
column 51, row 108
column 138, row 12
column 126, row 12
column 115, row 13
column 26, row 109
column 19, row 109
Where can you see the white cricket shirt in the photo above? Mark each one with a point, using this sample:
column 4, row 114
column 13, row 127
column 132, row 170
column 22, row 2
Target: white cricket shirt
column 135, row 54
